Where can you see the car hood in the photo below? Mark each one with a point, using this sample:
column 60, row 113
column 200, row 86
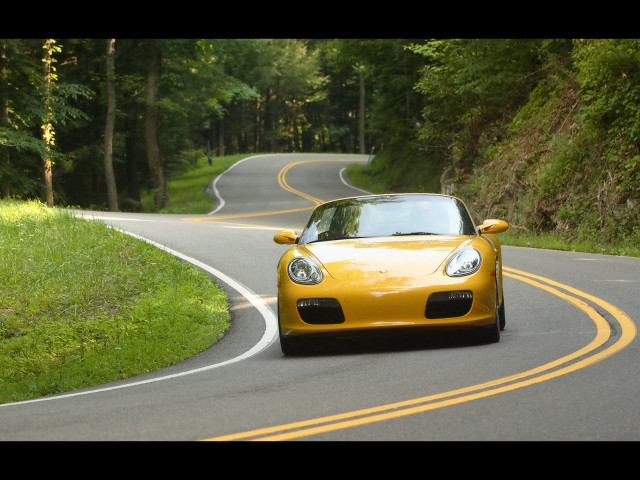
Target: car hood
column 394, row 256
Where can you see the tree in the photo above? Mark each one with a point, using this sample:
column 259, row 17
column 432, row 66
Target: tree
column 360, row 70
column 48, row 132
column 21, row 145
column 112, row 193
column 151, row 128
column 5, row 159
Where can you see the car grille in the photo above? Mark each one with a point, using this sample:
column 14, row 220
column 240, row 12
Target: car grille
column 449, row 304
column 320, row 310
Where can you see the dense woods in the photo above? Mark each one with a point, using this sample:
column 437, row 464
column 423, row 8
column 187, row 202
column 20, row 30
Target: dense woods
column 542, row 132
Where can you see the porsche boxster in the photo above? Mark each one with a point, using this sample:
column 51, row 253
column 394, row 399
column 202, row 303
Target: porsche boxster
column 379, row 262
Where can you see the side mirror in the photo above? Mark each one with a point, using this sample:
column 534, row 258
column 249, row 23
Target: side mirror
column 286, row 237
column 493, row 226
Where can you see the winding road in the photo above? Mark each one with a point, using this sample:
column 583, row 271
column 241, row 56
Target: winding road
column 565, row 368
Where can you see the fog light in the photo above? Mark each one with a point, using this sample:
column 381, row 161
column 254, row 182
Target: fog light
column 308, row 302
column 449, row 304
column 320, row 310
column 460, row 295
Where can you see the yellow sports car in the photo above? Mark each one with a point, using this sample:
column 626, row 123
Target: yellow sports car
column 372, row 263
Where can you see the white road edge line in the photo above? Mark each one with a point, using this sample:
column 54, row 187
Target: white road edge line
column 271, row 329
column 348, row 184
column 221, row 201
column 271, row 322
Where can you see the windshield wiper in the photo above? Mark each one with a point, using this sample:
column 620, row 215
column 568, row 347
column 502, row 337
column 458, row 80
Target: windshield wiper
column 331, row 239
column 399, row 234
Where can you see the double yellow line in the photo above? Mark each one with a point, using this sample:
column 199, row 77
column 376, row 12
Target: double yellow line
column 588, row 355
column 283, row 183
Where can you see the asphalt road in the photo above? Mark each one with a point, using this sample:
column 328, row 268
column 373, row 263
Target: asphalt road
column 565, row 368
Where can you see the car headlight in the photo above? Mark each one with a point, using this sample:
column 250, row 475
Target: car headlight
column 465, row 262
column 304, row 271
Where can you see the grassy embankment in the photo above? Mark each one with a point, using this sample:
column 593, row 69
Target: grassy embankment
column 82, row 304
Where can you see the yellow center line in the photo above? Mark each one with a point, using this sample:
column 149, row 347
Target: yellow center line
column 255, row 227
column 629, row 329
column 247, row 215
column 419, row 405
column 283, row 183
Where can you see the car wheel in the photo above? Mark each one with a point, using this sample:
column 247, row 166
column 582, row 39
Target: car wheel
column 501, row 310
column 491, row 334
column 292, row 345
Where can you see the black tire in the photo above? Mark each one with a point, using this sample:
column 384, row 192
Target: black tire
column 501, row 313
column 292, row 345
column 491, row 334
column 288, row 344
column 503, row 317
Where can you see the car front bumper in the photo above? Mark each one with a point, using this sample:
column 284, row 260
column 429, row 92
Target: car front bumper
column 333, row 307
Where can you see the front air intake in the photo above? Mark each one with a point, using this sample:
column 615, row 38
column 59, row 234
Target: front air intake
column 320, row 311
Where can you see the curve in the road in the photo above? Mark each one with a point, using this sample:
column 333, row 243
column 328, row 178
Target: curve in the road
column 588, row 355
column 602, row 346
column 271, row 329
column 520, row 380
column 213, row 187
column 271, row 326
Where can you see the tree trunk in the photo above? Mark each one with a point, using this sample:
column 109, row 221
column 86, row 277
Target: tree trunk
column 221, row 150
column 110, row 180
column 4, row 120
column 294, row 125
column 362, row 110
column 159, row 185
column 132, row 187
column 257, row 137
column 47, row 127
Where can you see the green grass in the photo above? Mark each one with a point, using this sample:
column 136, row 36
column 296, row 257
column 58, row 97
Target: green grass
column 553, row 241
column 83, row 304
column 359, row 177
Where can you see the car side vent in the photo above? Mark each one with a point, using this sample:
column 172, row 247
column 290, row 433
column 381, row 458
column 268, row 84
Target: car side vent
column 320, row 311
column 449, row 304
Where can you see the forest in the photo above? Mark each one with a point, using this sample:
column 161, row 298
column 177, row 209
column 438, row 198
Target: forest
column 544, row 133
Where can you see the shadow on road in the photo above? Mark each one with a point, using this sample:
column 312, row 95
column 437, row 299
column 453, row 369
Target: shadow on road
column 392, row 342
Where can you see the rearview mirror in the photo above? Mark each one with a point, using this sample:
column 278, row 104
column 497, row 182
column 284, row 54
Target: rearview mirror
column 493, row 226
column 286, row 237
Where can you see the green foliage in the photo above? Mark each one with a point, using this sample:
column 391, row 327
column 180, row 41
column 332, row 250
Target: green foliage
column 83, row 304
column 469, row 86
column 608, row 72
column 541, row 132
column 386, row 173
column 227, row 95
column 545, row 131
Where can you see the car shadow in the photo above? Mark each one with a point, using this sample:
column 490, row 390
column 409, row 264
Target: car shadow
column 393, row 342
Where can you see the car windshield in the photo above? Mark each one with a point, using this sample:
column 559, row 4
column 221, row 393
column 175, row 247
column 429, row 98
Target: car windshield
column 388, row 215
